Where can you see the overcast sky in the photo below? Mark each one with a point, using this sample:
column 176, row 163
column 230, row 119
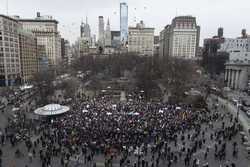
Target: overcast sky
column 233, row 15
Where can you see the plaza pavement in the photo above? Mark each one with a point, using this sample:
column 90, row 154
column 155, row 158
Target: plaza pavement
column 10, row 161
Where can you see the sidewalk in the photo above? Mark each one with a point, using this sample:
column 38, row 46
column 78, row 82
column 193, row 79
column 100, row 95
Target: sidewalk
column 244, row 120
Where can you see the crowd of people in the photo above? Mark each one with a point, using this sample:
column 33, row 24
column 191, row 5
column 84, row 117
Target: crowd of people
column 135, row 133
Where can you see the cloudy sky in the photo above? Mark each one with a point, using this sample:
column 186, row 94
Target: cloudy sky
column 233, row 15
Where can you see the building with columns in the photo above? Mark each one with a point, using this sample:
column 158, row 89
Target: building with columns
column 237, row 70
column 237, row 75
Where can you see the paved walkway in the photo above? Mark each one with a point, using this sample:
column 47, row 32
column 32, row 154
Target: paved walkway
column 244, row 120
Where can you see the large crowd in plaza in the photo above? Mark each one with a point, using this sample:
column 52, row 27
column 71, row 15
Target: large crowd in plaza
column 155, row 134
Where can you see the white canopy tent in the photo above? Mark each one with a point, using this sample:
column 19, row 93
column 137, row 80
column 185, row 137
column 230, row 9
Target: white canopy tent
column 133, row 113
column 24, row 87
column 51, row 109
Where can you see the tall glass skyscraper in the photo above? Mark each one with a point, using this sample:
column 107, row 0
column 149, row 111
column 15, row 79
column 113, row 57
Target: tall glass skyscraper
column 124, row 22
column 101, row 31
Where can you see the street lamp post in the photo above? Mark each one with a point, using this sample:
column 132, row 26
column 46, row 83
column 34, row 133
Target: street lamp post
column 238, row 109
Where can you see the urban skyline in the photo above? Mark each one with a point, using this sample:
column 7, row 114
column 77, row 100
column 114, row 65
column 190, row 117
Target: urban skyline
column 151, row 14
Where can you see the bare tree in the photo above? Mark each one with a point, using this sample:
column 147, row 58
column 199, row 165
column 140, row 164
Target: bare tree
column 44, row 82
column 177, row 76
column 70, row 87
column 113, row 65
column 144, row 77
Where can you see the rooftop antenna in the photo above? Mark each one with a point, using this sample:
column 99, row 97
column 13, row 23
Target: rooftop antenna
column 87, row 17
column 108, row 21
column 82, row 21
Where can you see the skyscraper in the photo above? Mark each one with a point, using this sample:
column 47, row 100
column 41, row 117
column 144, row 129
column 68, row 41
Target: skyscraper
column 101, row 31
column 86, row 33
column 85, row 29
column 124, row 22
column 82, row 29
column 108, row 35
